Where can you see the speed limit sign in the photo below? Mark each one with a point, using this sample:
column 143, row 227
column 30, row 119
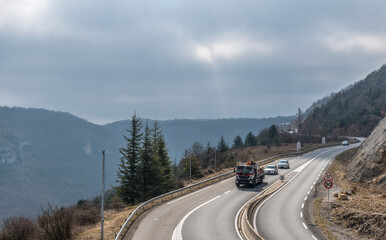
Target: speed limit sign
column 328, row 184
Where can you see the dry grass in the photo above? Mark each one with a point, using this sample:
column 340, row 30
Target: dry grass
column 363, row 215
column 112, row 224
column 321, row 221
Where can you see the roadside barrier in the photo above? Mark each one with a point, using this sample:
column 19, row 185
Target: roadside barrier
column 185, row 190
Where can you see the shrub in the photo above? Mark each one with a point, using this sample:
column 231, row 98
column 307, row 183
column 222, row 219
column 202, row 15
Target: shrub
column 56, row 223
column 19, row 228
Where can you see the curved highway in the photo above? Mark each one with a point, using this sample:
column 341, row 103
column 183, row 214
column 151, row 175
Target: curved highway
column 281, row 215
column 210, row 213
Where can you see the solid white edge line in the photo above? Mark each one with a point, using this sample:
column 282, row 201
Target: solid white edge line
column 190, row 194
column 177, row 233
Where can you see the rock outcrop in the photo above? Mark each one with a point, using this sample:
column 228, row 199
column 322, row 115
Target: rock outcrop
column 369, row 164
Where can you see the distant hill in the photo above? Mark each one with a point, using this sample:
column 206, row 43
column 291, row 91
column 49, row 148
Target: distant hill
column 55, row 157
column 354, row 111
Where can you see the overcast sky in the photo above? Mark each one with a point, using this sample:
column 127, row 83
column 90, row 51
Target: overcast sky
column 103, row 60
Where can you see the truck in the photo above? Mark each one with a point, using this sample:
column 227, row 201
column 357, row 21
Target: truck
column 249, row 174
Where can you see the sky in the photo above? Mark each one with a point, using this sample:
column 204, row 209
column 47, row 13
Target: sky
column 175, row 59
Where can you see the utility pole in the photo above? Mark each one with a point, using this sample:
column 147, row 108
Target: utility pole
column 190, row 169
column 103, row 191
column 215, row 160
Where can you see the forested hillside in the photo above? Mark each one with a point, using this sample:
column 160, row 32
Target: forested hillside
column 354, row 111
column 55, row 157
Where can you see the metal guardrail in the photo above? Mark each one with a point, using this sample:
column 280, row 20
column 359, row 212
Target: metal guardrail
column 179, row 192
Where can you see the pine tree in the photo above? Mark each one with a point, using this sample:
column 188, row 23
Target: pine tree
column 238, row 142
column 250, row 140
column 222, row 145
column 129, row 188
column 147, row 165
column 161, row 155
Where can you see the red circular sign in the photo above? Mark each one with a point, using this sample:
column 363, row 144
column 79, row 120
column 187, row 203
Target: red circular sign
column 328, row 184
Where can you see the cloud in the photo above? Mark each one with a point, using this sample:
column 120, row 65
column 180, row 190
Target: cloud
column 184, row 59
column 364, row 42
column 229, row 48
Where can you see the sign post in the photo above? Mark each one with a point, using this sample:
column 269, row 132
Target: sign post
column 328, row 184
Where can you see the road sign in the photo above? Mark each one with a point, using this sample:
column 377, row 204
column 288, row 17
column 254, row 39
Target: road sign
column 328, row 184
column 328, row 176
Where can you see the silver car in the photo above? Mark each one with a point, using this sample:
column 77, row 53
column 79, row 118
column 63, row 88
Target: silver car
column 271, row 169
column 283, row 164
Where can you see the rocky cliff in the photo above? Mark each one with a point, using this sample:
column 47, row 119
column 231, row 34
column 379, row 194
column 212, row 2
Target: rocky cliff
column 369, row 164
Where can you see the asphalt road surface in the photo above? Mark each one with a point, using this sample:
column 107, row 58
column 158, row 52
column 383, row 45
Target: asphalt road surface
column 281, row 215
column 210, row 213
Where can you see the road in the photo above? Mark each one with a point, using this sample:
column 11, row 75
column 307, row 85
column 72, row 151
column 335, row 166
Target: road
column 210, row 213
column 281, row 215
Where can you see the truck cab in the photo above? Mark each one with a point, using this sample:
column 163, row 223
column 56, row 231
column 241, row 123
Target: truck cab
column 249, row 174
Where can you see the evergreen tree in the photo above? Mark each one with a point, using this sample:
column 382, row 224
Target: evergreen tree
column 238, row 142
column 129, row 189
column 148, row 166
column 272, row 131
column 250, row 140
column 222, row 145
column 167, row 182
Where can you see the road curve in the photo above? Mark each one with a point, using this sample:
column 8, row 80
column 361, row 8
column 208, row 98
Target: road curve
column 281, row 215
column 208, row 213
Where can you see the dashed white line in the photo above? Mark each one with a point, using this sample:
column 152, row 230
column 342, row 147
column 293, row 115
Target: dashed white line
column 308, row 192
column 178, row 199
column 303, row 205
column 305, row 198
column 314, row 237
column 314, row 183
column 301, row 214
column 227, row 192
column 304, row 225
column 312, row 187
column 317, row 178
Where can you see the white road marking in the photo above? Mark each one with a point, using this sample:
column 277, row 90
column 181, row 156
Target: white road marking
column 190, row 194
column 301, row 214
column 312, row 187
column 317, row 178
column 314, row 183
column 305, row 226
column 303, row 205
column 227, row 192
column 314, row 237
column 308, row 192
column 177, row 233
column 305, row 198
